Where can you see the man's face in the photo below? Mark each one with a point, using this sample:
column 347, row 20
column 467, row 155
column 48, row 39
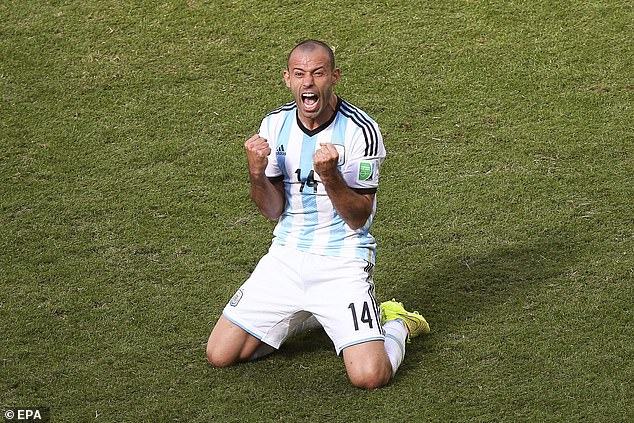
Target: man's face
column 310, row 78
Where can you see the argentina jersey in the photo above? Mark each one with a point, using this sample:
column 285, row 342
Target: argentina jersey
column 309, row 221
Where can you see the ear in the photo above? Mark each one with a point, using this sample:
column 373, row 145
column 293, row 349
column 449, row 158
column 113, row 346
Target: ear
column 336, row 75
column 287, row 78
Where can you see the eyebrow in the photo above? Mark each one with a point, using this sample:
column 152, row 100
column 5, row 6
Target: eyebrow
column 322, row 67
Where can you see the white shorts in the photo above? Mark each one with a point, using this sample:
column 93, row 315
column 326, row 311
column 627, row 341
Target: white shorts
column 287, row 286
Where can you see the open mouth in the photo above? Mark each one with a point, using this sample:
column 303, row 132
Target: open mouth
column 310, row 101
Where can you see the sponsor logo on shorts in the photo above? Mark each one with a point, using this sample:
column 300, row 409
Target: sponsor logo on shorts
column 236, row 298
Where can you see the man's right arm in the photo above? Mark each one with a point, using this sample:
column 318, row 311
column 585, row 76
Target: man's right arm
column 267, row 195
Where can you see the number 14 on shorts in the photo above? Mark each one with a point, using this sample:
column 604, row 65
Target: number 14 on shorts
column 366, row 315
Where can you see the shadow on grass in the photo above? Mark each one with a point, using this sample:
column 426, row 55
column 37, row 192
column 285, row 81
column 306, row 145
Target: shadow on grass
column 462, row 287
column 307, row 342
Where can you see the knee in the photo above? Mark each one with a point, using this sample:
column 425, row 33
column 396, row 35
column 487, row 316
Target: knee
column 371, row 376
column 218, row 358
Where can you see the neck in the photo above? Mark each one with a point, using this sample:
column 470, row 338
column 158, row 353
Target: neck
column 314, row 123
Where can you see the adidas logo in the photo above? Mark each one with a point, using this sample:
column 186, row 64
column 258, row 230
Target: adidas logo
column 280, row 151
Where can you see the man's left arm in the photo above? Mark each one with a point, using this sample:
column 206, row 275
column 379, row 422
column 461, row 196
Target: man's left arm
column 354, row 206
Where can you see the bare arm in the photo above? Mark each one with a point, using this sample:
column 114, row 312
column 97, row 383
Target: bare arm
column 268, row 196
column 353, row 207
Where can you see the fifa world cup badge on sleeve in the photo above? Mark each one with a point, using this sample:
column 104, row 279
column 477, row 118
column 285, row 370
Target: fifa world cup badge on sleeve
column 366, row 170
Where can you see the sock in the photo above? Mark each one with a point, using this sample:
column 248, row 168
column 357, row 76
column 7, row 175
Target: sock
column 262, row 351
column 395, row 338
column 265, row 349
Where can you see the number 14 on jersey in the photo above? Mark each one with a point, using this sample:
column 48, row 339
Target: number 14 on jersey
column 309, row 181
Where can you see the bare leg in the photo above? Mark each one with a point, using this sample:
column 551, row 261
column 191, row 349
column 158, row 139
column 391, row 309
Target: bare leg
column 368, row 365
column 229, row 344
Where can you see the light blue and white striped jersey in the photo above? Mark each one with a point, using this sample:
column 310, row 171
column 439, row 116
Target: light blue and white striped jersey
column 309, row 222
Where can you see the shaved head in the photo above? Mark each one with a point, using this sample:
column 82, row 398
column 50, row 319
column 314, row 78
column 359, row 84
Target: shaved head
column 308, row 46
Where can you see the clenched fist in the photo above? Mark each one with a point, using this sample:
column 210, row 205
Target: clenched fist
column 325, row 159
column 258, row 150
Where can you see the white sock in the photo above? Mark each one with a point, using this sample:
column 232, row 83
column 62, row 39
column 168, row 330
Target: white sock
column 265, row 349
column 395, row 338
column 262, row 351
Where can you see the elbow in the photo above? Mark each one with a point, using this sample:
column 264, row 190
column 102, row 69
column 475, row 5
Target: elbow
column 269, row 209
column 271, row 213
column 356, row 224
column 272, row 216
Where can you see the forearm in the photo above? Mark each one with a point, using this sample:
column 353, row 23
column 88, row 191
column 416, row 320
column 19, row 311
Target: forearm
column 353, row 207
column 267, row 196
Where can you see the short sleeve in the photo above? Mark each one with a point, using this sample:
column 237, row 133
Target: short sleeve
column 364, row 158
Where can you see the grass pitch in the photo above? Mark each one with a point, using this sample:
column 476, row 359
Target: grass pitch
column 505, row 208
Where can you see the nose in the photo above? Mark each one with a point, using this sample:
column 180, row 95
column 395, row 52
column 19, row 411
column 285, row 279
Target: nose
column 307, row 80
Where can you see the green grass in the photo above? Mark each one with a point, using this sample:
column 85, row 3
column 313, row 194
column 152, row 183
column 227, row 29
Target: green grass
column 505, row 209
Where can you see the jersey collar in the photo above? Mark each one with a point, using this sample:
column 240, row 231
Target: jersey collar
column 312, row 132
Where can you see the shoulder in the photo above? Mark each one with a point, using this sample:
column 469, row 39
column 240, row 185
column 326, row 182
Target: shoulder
column 274, row 120
column 282, row 110
column 356, row 114
column 365, row 127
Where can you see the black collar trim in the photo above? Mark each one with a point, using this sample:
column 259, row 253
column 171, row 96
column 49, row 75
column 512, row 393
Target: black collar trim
column 312, row 132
